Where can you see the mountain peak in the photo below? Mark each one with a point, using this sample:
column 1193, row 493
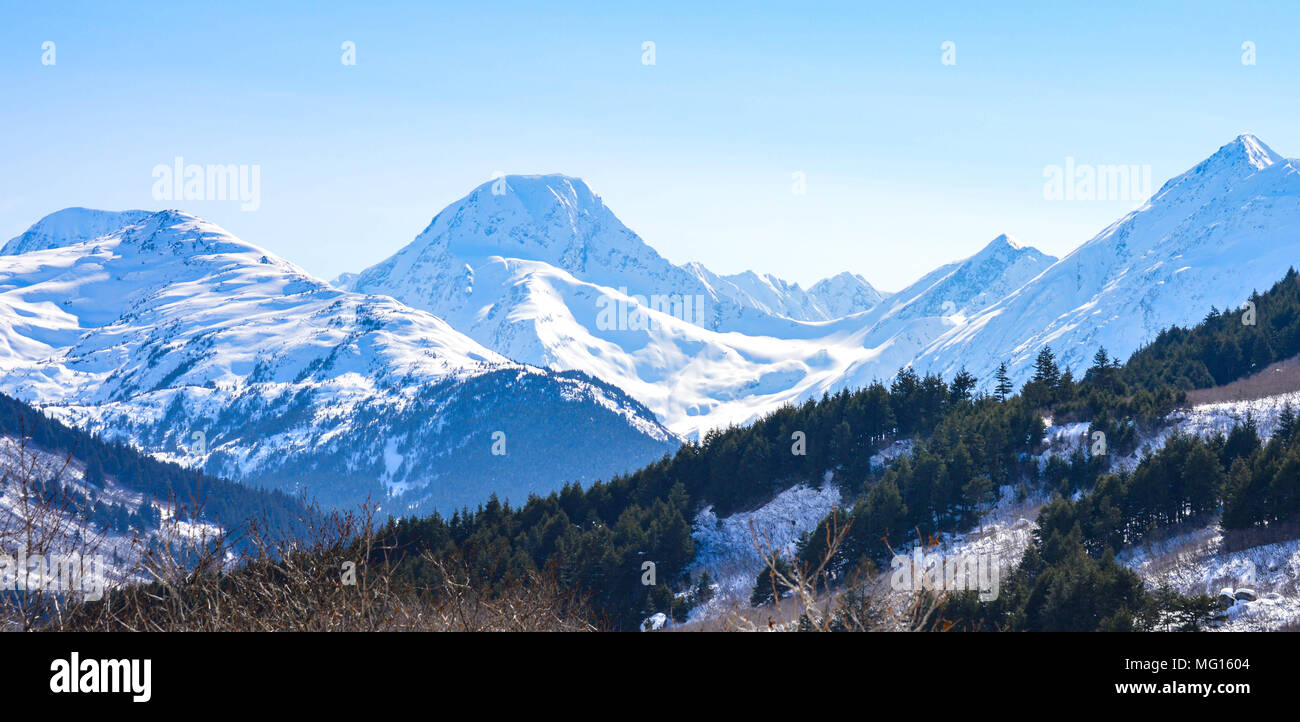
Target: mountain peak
column 1249, row 150
column 1241, row 158
column 845, row 293
column 845, row 277
column 179, row 234
column 71, row 226
column 972, row 283
column 540, row 196
column 1005, row 248
column 1005, row 241
column 554, row 219
column 168, row 232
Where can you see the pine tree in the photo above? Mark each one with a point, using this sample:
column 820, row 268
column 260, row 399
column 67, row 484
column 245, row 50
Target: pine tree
column 962, row 385
column 978, row 492
column 1004, row 386
column 1286, row 424
column 1046, row 371
column 94, row 475
column 703, row 591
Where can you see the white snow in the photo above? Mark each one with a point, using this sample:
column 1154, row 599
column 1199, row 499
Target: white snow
column 725, row 548
column 1207, row 238
column 546, row 254
column 157, row 329
column 1194, row 563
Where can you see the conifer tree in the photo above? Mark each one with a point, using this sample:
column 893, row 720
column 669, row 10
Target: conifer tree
column 962, row 385
column 1286, row 424
column 1004, row 387
column 1046, row 371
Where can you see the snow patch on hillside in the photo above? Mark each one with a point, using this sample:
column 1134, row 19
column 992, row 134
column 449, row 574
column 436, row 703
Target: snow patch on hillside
column 1192, row 563
column 725, row 547
column 1219, row 418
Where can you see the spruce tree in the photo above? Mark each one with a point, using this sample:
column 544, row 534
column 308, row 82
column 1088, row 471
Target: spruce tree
column 962, row 385
column 1004, row 387
column 1046, row 371
column 1286, row 424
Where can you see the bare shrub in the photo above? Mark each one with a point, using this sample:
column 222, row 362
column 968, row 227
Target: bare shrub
column 1255, row 536
column 810, row 598
column 1277, row 378
column 191, row 576
column 38, row 520
column 334, row 580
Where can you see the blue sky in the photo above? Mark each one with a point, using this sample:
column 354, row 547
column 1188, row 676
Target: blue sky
column 908, row 162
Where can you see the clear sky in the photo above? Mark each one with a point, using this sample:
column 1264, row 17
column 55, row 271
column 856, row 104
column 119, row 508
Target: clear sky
column 909, row 162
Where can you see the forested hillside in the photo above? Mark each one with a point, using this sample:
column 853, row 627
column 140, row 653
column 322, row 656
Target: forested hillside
column 1227, row 345
column 966, row 447
column 219, row 501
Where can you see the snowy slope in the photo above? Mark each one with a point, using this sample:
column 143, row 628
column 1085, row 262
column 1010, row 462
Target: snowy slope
column 1195, row 561
column 169, row 327
column 68, row 526
column 844, row 294
column 558, row 223
column 941, row 301
column 543, row 273
column 69, row 226
column 1208, row 238
column 828, row 299
column 524, row 265
column 725, row 547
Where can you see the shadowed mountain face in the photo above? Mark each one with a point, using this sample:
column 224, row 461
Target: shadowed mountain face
column 198, row 347
column 576, row 337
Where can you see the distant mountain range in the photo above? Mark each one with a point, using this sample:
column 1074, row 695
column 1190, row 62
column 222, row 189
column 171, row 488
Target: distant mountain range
column 528, row 308
column 524, row 265
column 1206, row 239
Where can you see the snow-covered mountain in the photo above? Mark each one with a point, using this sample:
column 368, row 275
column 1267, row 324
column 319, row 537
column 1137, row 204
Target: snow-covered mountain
column 196, row 346
column 938, row 303
column 844, row 294
column 538, row 269
column 526, row 265
column 557, row 222
column 167, row 325
column 70, row 226
column 1207, row 238
column 970, row 284
column 828, row 299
